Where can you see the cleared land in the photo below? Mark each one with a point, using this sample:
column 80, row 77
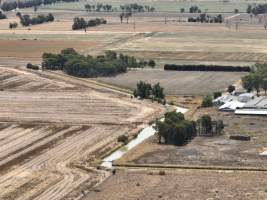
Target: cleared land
column 53, row 130
column 177, row 83
column 182, row 184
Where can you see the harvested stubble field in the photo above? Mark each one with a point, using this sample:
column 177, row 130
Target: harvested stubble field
column 211, row 151
column 52, row 135
column 177, row 83
column 182, row 184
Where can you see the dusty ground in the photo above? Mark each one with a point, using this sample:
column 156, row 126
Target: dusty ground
column 53, row 130
column 210, row 151
column 182, row 185
column 177, row 83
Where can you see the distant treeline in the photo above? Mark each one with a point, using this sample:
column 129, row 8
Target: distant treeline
column 2, row 15
column 257, row 9
column 80, row 23
column 134, row 7
column 206, row 68
column 79, row 65
column 7, row 6
column 204, row 18
column 26, row 20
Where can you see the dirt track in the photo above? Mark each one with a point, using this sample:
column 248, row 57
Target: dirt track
column 53, row 130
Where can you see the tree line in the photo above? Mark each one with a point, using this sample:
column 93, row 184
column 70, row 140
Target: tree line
column 205, row 18
column 257, row 79
column 80, row 23
column 206, row 68
column 98, row 7
column 147, row 91
column 134, row 7
column 79, row 65
column 176, row 130
column 2, row 15
column 257, row 9
column 26, row 20
column 12, row 5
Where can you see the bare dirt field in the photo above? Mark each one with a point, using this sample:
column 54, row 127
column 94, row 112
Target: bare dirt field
column 177, row 83
column 182, row 185
column 52, row 131
column 211, row 151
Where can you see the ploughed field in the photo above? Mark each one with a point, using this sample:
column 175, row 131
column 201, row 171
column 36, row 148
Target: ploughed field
column 177, row 82
column 52, row 131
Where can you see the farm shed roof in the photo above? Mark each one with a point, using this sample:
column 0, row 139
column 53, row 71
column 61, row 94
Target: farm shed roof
column 251, row 111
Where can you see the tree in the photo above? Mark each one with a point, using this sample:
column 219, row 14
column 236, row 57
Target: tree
column 257, row 82
column 182, row 10
column 206, row 124
column 247, row 83
column 236, row 10
column 151, row 63
column 231, row 88
column 264, row 85
column 13, row 25
column 249, row 8
column 207, row 101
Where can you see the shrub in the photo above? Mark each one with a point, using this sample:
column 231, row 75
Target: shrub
column 216, row 95
column 231, row 88
column 123, row 138
column 206, row 101
column 13, row 25
column 151, row 63
column 31, row 66
column 2, row 15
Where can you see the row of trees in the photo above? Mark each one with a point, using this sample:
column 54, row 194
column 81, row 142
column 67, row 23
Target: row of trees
column 175, row 129
column 2, row 15
column 147, row 91
column 124, row 8
column 79, row 65
column 12, row 5
column 80, row 23
column 26, row 20
column 257, row 9
column 208, row 127
column 98, row 7
column 134, row 7
column 205, row 18
column 257, row 79
column 206, row 68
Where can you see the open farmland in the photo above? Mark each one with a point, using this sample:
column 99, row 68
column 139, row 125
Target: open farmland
column 53, row 130
column 182, row 184
column 177, row 83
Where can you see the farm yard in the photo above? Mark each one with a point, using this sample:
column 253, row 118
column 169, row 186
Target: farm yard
column 56, row 129
column 210, row 151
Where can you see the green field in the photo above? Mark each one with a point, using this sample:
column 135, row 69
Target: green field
column 161, row 5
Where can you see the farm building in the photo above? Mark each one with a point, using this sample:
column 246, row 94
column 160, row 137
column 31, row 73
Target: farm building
column 256, row 106
column 243, row 104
